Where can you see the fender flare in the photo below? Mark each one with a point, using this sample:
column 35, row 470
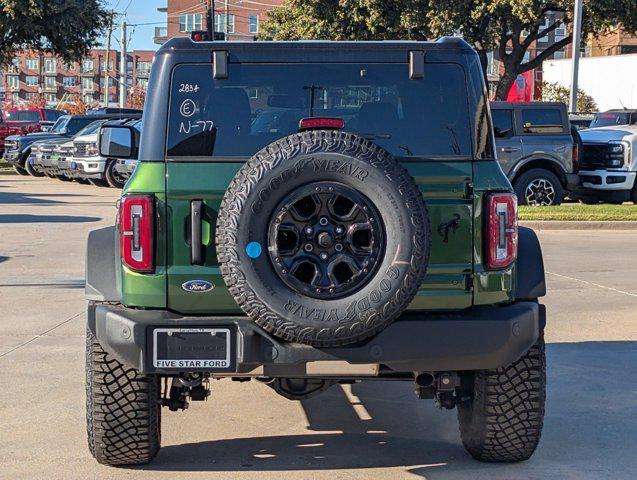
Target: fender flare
column 515, row 171
column 102, row 281
column 530, row 283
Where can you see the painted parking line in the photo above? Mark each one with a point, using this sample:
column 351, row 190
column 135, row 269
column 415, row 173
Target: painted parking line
column 594, row 284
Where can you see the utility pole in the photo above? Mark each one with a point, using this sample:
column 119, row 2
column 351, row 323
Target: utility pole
column 210, row 19
column 577, row 38
column 108, row 59
column 227, row 22
column 123, row 65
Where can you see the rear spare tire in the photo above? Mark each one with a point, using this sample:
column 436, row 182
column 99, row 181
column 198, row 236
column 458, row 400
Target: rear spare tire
column 323, row 238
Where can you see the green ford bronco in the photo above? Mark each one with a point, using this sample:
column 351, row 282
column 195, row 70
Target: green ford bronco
column 306, row 214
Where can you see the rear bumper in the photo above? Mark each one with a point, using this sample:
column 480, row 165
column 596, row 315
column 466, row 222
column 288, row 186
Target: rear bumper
column 475, row 339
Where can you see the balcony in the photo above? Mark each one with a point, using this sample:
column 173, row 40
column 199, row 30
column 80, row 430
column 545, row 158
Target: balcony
column 161, row 35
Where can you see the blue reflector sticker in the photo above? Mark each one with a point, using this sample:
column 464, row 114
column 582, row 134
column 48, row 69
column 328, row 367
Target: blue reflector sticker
column 253, row 249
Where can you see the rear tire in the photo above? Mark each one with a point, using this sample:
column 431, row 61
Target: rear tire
column 539, row 187
column 502, row 421
column 113, row 177
column 20, row 171
column 122, row 409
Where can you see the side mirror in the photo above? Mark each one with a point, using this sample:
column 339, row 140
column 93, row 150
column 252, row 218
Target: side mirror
column 118, row 142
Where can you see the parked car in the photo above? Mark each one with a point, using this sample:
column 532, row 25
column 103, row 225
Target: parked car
column 580, row 120
column 45, row 154
column 315, row 273
column 18, row 122
column 608, row 165
column 612, row 118
column 18, row 147
column 536, row 150
column 126, row 167
column 86, row 162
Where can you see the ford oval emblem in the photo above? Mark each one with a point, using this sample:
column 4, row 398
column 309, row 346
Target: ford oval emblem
column 197, row 286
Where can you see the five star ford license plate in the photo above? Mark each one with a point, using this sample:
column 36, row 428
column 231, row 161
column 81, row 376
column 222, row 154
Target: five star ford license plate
column 192, row 348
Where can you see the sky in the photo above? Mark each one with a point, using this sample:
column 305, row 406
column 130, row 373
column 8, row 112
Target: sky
column 137, row 12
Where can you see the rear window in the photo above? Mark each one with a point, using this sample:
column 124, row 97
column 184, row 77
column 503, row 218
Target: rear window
column 610, row 119
column 502, row 122
column 23, row 115
column 77, row 124
column 542, row 120
column 52, row 115
column 260, row 103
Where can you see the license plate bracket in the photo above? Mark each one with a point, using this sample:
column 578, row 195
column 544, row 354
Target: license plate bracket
column 194, row 349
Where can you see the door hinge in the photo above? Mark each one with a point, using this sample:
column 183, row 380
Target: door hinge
column 469, row 282
column 468, row 190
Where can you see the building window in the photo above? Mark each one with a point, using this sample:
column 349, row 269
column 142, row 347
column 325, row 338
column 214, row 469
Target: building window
column 69, row 81
column 15, row 65
column 254, row 23
column 29, row 96
column 50, row 97
column 220, row 23
column 103, row 65
column 129, row 67
column 188, row 23
column 559, row 33
column 143, row 83
column 88, row 65
column 558, row 54
column 87, row 84
column 111, row 82
column 50, row 65
column 15, row 96
column 87, row 98
column 49, row 82
column 13, row 82
column 143, row 68
column 31, row 80
column 32, row 63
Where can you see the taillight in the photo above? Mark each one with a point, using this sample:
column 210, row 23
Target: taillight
column 323, row 123
column 136, row 232
column 502, row 230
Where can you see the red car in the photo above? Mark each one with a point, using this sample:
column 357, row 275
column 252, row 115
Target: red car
column 20, row 121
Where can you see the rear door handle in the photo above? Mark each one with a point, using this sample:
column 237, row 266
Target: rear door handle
column 196, row 247
column 510, row 149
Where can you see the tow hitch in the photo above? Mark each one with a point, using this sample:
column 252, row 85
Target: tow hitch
column 439, row 386
column 195, row 386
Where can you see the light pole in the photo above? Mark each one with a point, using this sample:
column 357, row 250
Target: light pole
column 577, row 38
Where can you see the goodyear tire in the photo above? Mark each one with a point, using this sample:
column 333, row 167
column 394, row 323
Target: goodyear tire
column 122, row 409
column 502, row 421
column 323, row 238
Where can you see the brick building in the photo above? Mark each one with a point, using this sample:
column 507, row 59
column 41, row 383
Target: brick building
column 238, row 19
column 33, row 73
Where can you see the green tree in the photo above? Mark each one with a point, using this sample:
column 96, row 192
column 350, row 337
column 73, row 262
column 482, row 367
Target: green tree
column 508, row 26
column 69, row 28
column 554, row 92
column 347, row 20
column 512, row 26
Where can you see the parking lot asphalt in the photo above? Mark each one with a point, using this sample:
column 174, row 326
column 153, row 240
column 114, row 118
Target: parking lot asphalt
column 372, row 430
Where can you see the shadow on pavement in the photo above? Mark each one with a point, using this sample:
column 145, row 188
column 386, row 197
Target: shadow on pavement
column 33, row 198
column 26, row 218
column 590, row 428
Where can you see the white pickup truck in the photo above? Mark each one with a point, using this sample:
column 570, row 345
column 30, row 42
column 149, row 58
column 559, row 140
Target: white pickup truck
column 608, row 165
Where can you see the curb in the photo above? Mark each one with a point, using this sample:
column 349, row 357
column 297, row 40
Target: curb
column 576, row 225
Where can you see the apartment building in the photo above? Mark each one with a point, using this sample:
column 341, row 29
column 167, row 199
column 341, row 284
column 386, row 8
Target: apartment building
column 237, row 19
column 33, row 73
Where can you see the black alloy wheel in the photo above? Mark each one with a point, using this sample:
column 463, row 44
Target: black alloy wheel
column 325, row 240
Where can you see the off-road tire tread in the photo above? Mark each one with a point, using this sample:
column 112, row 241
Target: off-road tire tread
column 503, row 420
column 227, row 240
column 122, row 409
